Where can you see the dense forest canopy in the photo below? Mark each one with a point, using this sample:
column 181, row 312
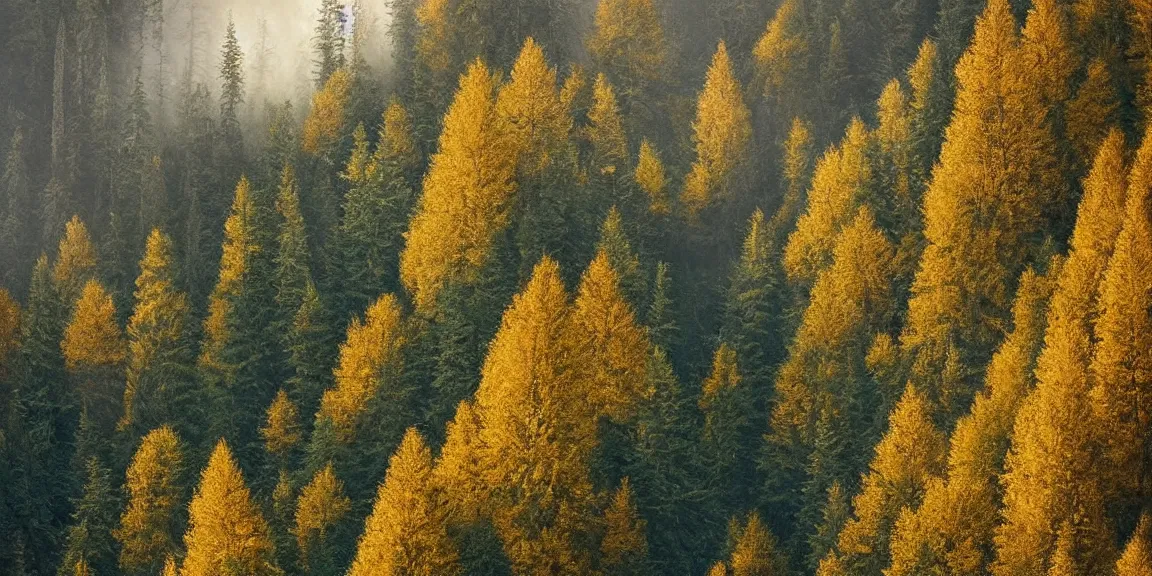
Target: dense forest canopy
column 576, row 287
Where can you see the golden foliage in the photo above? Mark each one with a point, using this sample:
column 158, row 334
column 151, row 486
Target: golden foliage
column 369, row 358
column 628, row 41
column 226, row 532
column 650, row 176
column 724, row 376
column 756, row 552
column 92, row 338
column 721, row 132
column 281, row 430
column 321, row 505
column 537, row 122
column 1092, row 112
column 468, row 192
column 407, row 533
column 75, row 261
column 397, row 143
column 838, row 188
column 781, row 53
column 433, row 42
column 624, row 544
column 605, row 131
column 240, row 246
column 9, row 330
column 1137, row 557
column 146, row 531
column 325, row 121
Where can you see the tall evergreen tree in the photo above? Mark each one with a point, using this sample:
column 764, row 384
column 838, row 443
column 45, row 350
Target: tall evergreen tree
column 89, row 540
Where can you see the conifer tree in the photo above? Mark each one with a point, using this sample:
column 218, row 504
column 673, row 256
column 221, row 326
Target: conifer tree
column 954, row 527
column 797, row 170
column 839, row 187
column 1091, row 113
column 1050, row 477
column 608, row 162
column 231, row 105
column 75, row 262
column 729, row 428
column 1015, row 183
column 911, row 452
column 930, row 103
column 160, row 381
column 16, row 205
column 755, row 552
column 89, row 540
column 328, row 41
column 366, row 411
column 320, row 511
column 226, row 532
column 326, row 121
column 152, row 517
column 407, row 532
column 537, row 434
column 628, row 44
column 624, row 548
column 649, row 175
column 293, row 272
column 1137, row 557
column 462, row 184
column 615, row 244
column 781, row 59
column 94, row 352
column 721, row 133
column 311, row 352
column 281, row 430
column 659, row 317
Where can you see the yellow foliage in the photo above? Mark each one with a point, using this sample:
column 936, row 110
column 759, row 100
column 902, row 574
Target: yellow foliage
column 226, row 533
column 9, row 330
column 92, row 339
column 407, row 534
column 529, row 104
column 1092, row 112
column 325, row 122
column 459, row 465
column 718, row 569
column 612, row 349
column 922, row 74
column 782, row 51
column 756, row 551
column 628, row 41
column 369, row 357
column 433, row 42
column 606, row 132
column 75, row 261
column 575, row 94
column 625, row 543
column 650, row 176
column 468, row 191
column 154, row 498
column 397, row 144
column 281, row 430
column 1048, row 54
column 321, row 505
column 721, row 132
column 838, row 188
column 724, row 376
column 1137, row 557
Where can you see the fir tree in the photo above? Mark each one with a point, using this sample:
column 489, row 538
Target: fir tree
column 152, row 517
column 89, row 539
column 328, row 41
column 16, row 208
column 624, row 548
column 729, row 428
column 231, row 104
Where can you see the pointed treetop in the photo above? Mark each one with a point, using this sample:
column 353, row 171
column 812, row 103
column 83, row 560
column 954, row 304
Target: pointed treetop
column 75, row 260
column 724, row 376
column 322, row 504
column 650, row 176
column 756, row 552
column 93, row 337
column 155, row 495
column 625, row 543
column 281, row 430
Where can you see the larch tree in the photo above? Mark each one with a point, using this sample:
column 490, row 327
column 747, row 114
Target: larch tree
column 226, row 534
column 652, row 180
column 755, row 552
column 1137, row 557
column 160, row 378
column 470, row 179
column 608, row 163
column 617, row 247
column 628, row 44
column 320, row 513
column 796, row 168
column 909, row 455
column 407, row 532
column 983, row 217
column 94, row 352
column 281, row 431
column 729, row 429
column 1051, row 476
column 840, row 185
column 75, row 261
column 364, row 414
column 781, row 59
column 952, row 530
column 150, row 524
column 1091, row 113
column 327, row 119
column 722, row 133
column 538, row 433
column 624, row 547
column 930, row 103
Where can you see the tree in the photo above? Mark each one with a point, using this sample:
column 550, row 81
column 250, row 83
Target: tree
column 226, row 532
column 94, row 352
column 537, row 433
column 152, row 516
column 628, row 44
column 608, row 162
column 16, row 234
column 649, row 175
column 624, row 548
column 407, row 532
column 729, row 429
column 311, row 352
column 293, row 270
column 320, row 510
column 328, row 41
column 781, row 59
column 911, row 452
column 325, row 124
column 1053, row 448
column 954, row 527
column 797, row 172
column 160, row 382
column 281, row 430
column 89, row 539
column 1014, row 184
column 75, row 262
column 930, row 105
column 1137, row 557
column 462, row 185
column 624, row 261
column 231, row 105
column 366, row 411
column 755, row 553
column 721, row 133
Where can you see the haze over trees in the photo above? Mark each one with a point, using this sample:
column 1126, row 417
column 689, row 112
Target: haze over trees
column 576, row 287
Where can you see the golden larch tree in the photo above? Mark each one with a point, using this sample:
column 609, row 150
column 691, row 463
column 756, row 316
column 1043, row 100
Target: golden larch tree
column 149, row 526
column 94, row 352
column 322, row 505
column 1137, row 557
column 624, row 548
column 75, row 261
column 628, row 44
column 281, row 430
column 226, row 534
column 650, row 176
column 407, row 532
column 721, row 132
column 756, row 552
column 325, row 122
column 468, row 192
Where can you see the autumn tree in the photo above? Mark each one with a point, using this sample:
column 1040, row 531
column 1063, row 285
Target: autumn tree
column 470, row 179
column 160, row 381
column 94, row 352
column 75, row 261
column 650, row 177
column 281, row 431
column 1016, row 181
column 226, row 532
column 320, row 512
column 1137, row 557
column 152, row 517
column 407, row 532
column 781, row 60
column 755, row 552
column 624, row 547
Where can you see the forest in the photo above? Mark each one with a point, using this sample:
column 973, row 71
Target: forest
column 576, row 287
